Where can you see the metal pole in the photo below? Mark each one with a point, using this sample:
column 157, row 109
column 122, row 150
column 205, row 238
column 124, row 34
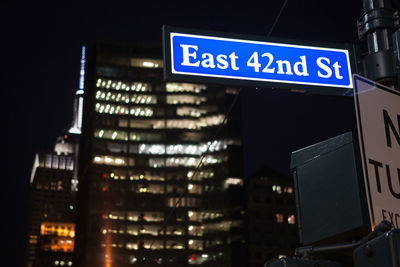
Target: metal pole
column 306, row 251
column 376, row 27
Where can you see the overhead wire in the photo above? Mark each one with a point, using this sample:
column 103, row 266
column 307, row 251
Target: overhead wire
column 216, row 135
column 277, row 18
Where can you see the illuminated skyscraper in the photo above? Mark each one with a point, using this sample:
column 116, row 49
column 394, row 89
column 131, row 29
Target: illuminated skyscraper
column 51, row 222
column 141, row 142
column 51, row 227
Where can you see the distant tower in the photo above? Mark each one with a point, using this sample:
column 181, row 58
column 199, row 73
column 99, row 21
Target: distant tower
column 78, row 101
column 51, row 227
column 76, row 125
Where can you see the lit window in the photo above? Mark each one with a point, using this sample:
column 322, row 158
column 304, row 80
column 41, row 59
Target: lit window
column 156, row 162
column 111, row 134
column 110, row 160
column 183, row 124
column 146, row 63
column 143, row 99
column 277, row 189
column 279, row 217
column 288, row 189
column 151, row 149
column 233, row 181
column 291, row 219
column 185, row 99
column 184, row 87
column 188, row 111
column 211, row 120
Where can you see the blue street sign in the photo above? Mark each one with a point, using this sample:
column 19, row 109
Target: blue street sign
column 253, row 60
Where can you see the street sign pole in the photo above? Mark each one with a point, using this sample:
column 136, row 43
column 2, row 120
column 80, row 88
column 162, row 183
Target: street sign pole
column 377, row 27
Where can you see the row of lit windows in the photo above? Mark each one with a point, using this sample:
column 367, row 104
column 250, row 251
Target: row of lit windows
column 159, row 188
column 62, row 263
column 193, row 259
column 191, row 176
column 149, row 99
column 148, row 112
column 125, row 136
column 123, row 86
column 181, row 148
column 52, row 161
column 160, row 124
column 57, row 229
column 185, row 99
column 124, row 110
column 200, row 175
column 54, row 186
column 160, row 162
column 185, row 161
column 157, row 149
column 58, row 244
column 156, row 245
column 146, row 63
column 126, row 98
column 118, row 176
column 280, row 218
column 169, row 123
column 154, row 216
column 279, row 189
column 146, row 87
column 184, row 87
column 189, row 111
column 155, row 230
column 116, row 161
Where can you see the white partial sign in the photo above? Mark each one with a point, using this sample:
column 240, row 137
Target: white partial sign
column 378, row 122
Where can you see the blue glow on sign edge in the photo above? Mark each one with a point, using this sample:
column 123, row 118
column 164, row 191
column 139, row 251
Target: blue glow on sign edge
column 174, row 71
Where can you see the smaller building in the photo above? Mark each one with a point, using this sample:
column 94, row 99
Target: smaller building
column 271, row 208
column 51, row 227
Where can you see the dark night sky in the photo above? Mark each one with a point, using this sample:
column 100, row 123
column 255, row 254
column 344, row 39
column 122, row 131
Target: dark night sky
column 40, row 54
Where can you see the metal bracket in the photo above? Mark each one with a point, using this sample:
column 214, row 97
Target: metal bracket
column 377, row 19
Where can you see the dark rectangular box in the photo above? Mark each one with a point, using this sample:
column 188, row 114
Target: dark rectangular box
column 330, row 193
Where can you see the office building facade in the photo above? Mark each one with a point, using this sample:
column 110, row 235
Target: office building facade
column 157, row 185
column 51, row 227
column 271, row 215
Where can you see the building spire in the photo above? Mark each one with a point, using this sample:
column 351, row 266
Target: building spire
column 78, row 101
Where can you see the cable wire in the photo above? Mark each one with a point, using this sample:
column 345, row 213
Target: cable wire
column 277, row 18
column 199, row 165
